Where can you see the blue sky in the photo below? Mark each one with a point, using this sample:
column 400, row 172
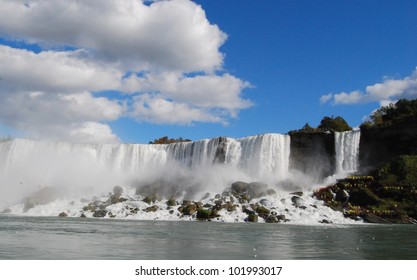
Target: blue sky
column 241, row 68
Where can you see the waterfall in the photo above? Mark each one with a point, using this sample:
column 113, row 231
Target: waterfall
column 258, row 156
column 261, row 155
column 347, row 152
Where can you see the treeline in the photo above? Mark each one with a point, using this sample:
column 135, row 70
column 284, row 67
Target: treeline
column 401, row 112
column 327, row 124
column 167, row 140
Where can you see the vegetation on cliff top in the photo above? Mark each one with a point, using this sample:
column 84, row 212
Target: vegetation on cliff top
column 404, row 111
column 166, row 140
column 327, row 124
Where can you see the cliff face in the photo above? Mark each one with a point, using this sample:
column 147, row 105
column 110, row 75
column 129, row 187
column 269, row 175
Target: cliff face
column 381, row 144
column 313, row 154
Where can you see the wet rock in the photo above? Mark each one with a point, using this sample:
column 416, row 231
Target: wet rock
column 199, row 204
column 100, row 213
column 271, row 192
column 342, row 196
column 239, row 188
column 171, row 202
column 6, row 211
column 171, row 212
column 148, row 199
column 190, row 209
column 262, row 211
column 29, row 204
column 44, row 196
column 225, row 193
column 257, row 189
column 252, row 218
column 111, row 215
column 297, row 193
column 297, row 201
column 152, row 208
column 118, row 190
column 114, row 199
column 325, row 221
column 363, row 196
column 63, row 214
column 186, row 202
column 204, row 214
column 83, row 216
column 229, row 207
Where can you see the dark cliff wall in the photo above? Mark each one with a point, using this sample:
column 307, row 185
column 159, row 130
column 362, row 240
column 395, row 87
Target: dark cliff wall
column 381, row 144
column 313, row 154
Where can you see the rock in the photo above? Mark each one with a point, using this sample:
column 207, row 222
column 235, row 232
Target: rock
column 28, row 205
column 271, row 219
column 152, row 208
column 114, row 199
column 262, row 211
column 148, row 199
column 271, row 192
column 363, row 196
column 83, row 216
column 297, row 193
column 100, row 213
column 239, row 188
column 63, row 214
column 297, row 201
column 186, row 202
column 229, row 207
column 257, row 189
column 324, row 221
column 342, row 196
column 6, row 211
column 172, row 202
column 225, row 193
column 371, row 218
column 190, row 209
column 203, row 214
column 89, row 207
column 171, row 212
column 252, row 218
column 199, row 204
column 118, row 190
column 44, row 196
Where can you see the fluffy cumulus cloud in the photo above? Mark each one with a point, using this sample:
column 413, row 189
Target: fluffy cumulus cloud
column 160, row 59
column 387, row 91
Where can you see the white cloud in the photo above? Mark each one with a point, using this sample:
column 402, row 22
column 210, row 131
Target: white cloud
column 208, row 91
column 172, row 34
column 161, row 60
column 157, row 109
column 60, row 116
column 386, row 92
column 54, row 71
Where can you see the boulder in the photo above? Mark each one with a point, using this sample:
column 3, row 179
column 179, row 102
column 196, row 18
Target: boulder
column 363, row 196
column 252, row 218
column 172, row 202
column 297, row 201
column 239, row 188
column 100, row 213
column 118, row 190
column 63, row 214
column 152, row 208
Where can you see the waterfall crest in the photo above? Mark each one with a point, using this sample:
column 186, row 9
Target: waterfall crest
column 347, row 152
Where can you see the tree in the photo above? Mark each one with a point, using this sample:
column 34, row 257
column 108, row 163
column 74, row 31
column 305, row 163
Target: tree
column 402, row 111
column 166, row 140
column 331, row 124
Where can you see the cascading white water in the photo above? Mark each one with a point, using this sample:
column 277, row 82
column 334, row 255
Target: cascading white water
column 203, row 166
column 347, row 152
column 261, row 156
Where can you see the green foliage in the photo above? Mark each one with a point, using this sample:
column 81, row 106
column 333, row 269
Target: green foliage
column 400, row 170
column 331, row 124
column 402, row 111
column 166, row 140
